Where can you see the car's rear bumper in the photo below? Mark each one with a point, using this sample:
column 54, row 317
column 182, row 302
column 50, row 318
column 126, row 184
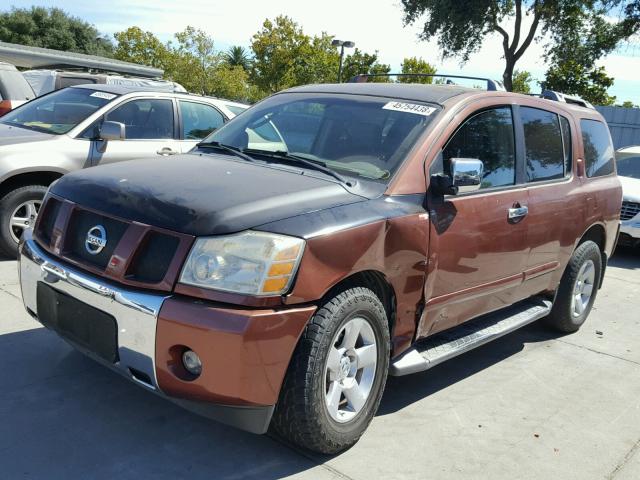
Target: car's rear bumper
column 244, row 352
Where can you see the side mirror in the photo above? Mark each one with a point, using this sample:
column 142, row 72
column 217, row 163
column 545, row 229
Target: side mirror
column 112, row 131
column 466, row 174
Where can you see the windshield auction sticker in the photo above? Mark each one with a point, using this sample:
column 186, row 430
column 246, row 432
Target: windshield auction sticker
column 105, row 95
column 409, row 108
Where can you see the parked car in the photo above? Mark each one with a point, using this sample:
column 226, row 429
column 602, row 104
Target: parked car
column 14, row 89
column 90, row 125
column 398, row 226
column 628, row 160
column 44, row 81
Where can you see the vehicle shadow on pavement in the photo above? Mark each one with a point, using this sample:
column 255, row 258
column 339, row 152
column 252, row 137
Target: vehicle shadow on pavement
column 401, row 392
column 64, row 416
column 626, row 257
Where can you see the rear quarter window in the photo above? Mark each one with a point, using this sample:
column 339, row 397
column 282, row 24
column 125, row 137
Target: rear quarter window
column 598, row 149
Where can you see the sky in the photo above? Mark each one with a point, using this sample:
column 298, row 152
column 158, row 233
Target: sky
column 374, row 25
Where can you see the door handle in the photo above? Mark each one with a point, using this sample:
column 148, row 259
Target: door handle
column 165, row 151
column 517, row 213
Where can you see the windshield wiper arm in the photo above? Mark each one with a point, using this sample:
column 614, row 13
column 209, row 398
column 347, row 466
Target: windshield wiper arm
column 291, row 158
column 226, row 148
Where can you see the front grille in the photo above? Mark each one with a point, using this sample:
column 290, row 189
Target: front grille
column 81, row 222
column 629, row 210
column 135, row 254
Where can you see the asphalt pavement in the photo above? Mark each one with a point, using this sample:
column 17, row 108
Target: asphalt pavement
column 532, row 405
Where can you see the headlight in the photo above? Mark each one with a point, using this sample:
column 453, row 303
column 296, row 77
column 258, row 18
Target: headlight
column 253, row 263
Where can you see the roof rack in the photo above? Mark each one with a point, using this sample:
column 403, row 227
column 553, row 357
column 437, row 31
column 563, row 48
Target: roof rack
column 492, row 85
column 563, row 97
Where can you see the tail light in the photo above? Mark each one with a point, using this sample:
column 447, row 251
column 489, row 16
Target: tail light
column 5, row 107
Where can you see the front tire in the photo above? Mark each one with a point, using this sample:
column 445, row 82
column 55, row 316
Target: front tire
column 337, row 374
column 578, row 289
column 18, row 211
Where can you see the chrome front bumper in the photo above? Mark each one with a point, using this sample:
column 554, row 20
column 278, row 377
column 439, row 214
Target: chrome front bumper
column 136, row 313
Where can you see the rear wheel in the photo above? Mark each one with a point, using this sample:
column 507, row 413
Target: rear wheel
column 18, row 211
column 337, row 374
column 578, row 289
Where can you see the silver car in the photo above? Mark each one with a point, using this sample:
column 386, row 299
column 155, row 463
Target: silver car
column 88, row 125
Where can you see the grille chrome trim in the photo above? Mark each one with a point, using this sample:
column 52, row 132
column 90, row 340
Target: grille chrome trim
column 629, row 210
column 136, row 313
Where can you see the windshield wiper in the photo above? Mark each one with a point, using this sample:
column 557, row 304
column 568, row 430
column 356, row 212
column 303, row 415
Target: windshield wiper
column 292, row 158
column 226, row 148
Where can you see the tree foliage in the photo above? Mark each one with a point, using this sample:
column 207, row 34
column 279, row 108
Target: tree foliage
column 572, row 77
column 461, row 27
column 360, row 62
column 238, row 56
column 522, row 81
column 52, row 28
column 415, row 65
column 137, row 46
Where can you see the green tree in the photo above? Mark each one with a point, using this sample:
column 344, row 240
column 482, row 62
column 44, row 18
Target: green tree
column 522, row 81
column 238, row 56
column 572, row 77
column 461, row 27
column 137, row 46
column 628, row 104
column 360, row 62
column 52, row 28
column 192, row 59
column 415, row 65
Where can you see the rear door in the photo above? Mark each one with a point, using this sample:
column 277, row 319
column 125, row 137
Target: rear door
column 150, row 131
column 477, row 253
column 197, row 120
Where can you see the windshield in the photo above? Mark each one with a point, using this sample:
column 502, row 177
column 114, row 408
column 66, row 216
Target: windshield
column 355, row 135
column 629, row 167
column 58, row 112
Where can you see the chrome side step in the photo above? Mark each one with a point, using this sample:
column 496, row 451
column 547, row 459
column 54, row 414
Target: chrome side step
column 453, row 342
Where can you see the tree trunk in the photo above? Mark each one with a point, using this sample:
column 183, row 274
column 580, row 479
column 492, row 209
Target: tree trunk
column 507, row 76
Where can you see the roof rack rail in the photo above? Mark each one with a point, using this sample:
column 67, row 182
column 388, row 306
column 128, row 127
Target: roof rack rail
column 563, row 97
column 492, row 85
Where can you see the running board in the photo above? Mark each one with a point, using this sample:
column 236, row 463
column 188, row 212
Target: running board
column 442, row 346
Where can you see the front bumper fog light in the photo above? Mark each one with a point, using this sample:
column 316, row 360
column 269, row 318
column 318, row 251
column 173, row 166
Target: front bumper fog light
column 191, row 362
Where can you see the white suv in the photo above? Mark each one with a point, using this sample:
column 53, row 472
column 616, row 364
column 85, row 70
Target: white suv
column 628, row 160
column 88, row 125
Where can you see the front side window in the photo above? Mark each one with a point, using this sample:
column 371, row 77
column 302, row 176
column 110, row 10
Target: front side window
column 487, row 136
column 544, row 148
column 58, row 112
column 352, row 134
column 145, row 119
column 199, row 120
column 598, row 149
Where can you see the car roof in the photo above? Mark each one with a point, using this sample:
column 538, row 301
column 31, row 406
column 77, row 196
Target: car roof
column 406, row 91
column 126, row 89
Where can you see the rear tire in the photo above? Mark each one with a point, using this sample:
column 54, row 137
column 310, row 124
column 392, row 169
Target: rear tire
column 578, row 289
column 337, row 374
column 20, row 204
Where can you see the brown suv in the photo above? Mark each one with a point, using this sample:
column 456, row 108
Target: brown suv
column 328, row 236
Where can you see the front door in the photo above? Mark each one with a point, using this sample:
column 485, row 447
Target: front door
column 477, row 252
column 150, row 132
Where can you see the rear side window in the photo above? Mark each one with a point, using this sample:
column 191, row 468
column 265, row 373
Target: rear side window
column 487, row 136
column 543, row 144
column 199, row 120
column 598, row 149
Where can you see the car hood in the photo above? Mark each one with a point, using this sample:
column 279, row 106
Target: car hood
column 10, row 135
column 630, row 189
column 200, row 194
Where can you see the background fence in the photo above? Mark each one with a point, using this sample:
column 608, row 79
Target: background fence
column 624, row 124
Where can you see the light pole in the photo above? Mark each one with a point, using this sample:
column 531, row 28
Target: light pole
column 342, row 44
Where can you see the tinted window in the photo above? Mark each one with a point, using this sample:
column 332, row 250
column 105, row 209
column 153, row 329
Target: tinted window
column 358, row 135
column 13, row 86
column 543, row 144
column 598, row 150
column 566, row 141
column 145, row 118
column 236, row 110
column 59, row 111
column 488, row 136
column 629, row 167
column 199, row 120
